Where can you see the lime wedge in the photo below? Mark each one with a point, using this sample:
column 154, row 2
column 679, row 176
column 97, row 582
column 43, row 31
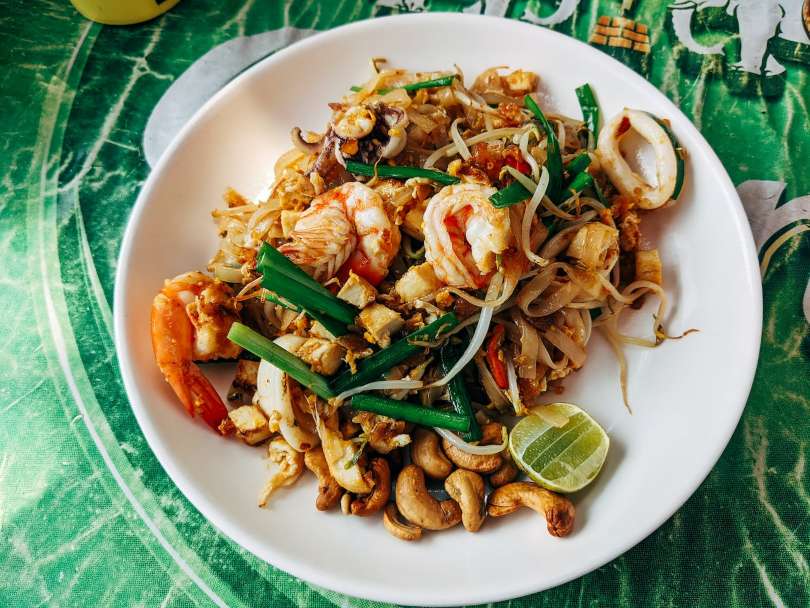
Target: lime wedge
column 561, row 458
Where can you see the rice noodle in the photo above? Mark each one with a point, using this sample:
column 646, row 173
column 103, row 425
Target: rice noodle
column 587, row 324
column 566, row 345
column 529, row 341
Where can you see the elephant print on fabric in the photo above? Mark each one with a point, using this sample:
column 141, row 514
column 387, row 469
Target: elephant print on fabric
column 766, row 34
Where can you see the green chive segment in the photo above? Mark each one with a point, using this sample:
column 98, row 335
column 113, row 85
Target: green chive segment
column 380, row 362
column 410, row 412
column 275, row 355
column 590, row 110
column 513, row 194
column 578, row 164
column 459, row 398
column 414, row 86
column 399, row 172
column 285, row 279
column 554, row 158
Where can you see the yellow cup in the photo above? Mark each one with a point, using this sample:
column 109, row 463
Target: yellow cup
column 122, row 12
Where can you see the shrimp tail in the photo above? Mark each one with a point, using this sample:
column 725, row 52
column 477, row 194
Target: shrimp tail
column 172, row 335
column 205, row 402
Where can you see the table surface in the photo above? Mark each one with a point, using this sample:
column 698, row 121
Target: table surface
column 87, row 515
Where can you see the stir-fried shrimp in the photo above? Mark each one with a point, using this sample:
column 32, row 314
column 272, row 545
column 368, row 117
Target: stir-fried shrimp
column 190, row 320
column 346, row 227
column 464, row 233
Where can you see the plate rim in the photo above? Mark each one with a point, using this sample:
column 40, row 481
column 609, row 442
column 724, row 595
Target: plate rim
column 372, row 591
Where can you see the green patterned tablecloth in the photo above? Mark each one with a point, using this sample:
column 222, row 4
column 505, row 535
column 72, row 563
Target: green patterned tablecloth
column 87, row 515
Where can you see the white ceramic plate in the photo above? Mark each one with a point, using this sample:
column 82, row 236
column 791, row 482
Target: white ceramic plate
column 687, row 395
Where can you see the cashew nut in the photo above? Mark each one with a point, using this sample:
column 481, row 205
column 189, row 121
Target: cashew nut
column 329, row 490
column 558, row 510
column 401, row 529
column 467, row 489
column 507, row 472
column 427, row 454
column 419, row 507
column 374, row 501
column 488, row 463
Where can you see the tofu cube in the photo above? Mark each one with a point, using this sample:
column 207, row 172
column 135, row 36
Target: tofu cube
column 317, row 330
column 323, row 356
column 418, row 282
column 521, row 82
column 251, row 424
column 356, row 290
column 413, row 221
column 379, row 322
column 648, row 266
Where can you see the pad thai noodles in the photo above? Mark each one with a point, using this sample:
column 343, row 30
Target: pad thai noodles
column 427, row 268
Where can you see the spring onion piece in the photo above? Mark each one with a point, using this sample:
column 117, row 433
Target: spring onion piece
column 410, row 412
column 459, row 398
column 380, row 362
column 425, row 84
column 287, row 280
column 578, row 164
column 554, row 158
column 355, row 89
column 400, row 172
column 308, row 299
column 478, row 450
column 263, row 348
column 513, row 194
column 579, row 183
column 270, row 258
column 590, row 111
